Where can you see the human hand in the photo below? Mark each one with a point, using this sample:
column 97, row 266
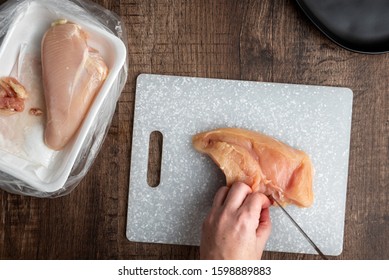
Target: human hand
column 238, row 225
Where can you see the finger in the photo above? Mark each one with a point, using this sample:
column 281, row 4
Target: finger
column 270, row 197
column 237, row 194
column 263, row 231
column 264, row 227
column 220, row 196
column 254, row 203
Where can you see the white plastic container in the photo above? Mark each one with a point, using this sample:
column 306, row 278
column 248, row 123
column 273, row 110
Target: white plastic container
column 28, row 29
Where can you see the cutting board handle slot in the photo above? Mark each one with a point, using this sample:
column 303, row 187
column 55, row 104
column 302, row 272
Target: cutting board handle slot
column 154, row 159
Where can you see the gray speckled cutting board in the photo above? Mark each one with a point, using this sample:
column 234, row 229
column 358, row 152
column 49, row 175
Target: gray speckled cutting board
column 315, row 119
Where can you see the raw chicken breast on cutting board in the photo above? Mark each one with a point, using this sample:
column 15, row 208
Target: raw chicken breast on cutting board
column 262, row 162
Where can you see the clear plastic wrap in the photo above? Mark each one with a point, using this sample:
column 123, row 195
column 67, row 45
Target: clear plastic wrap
column 27, row 165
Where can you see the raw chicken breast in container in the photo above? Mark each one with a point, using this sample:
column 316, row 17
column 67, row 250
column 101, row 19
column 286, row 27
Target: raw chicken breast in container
column 64, row 65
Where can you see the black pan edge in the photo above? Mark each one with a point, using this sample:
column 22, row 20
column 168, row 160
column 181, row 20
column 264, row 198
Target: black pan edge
column 348, row 45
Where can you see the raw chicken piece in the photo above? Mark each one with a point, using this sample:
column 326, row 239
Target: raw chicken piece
column 12, row 96
column 262, row 162
column 72, row 75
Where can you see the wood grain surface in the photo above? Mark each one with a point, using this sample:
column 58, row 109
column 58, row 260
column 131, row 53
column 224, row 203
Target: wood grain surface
column 258, row 40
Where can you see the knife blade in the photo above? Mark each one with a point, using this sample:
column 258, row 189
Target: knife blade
column 301, row 230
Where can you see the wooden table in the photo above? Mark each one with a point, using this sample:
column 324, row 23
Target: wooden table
column 267, row 40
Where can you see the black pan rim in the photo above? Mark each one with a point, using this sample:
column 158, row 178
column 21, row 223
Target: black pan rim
column 365, row 49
